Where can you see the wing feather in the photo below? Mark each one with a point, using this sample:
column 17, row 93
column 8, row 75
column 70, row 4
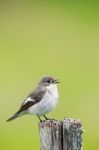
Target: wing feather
column 32, row 99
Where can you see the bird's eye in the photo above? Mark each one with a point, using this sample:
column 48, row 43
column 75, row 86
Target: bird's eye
column 48, row 81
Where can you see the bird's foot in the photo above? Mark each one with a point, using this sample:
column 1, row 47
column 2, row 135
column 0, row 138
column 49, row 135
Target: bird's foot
column 47, row 118
column 39, row 118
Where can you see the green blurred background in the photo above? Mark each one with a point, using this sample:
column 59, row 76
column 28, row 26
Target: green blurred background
column 58, row 38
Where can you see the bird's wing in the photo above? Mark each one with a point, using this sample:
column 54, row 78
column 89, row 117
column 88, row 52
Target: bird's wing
column 32, row 99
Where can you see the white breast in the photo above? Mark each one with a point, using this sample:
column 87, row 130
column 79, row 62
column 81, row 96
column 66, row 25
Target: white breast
column 52, row 89
column 48, row 102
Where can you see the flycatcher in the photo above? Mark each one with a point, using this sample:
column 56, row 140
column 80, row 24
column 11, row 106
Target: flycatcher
column 41, row 100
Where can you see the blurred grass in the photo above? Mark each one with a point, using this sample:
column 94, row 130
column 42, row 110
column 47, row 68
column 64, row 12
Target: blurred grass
column 56, row 38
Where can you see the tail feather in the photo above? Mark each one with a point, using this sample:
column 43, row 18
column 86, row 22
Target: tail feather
column 13, row 117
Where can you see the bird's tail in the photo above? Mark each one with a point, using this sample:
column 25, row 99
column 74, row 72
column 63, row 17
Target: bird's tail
column 14, row 116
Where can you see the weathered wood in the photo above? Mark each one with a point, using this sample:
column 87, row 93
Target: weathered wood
column 61, row 135
column 72, row 134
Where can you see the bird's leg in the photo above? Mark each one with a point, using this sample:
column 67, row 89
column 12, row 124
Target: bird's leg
column 39, row 118
column 45, row 117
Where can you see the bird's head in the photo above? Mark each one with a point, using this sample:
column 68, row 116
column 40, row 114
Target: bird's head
column 47, row 81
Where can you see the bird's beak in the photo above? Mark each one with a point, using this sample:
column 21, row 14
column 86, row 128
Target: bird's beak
column 56, row 81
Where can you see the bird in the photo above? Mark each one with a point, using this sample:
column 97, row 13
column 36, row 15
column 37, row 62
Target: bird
column 41, row 100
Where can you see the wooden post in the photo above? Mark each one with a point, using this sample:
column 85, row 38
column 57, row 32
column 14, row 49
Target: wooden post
column 61, row 135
